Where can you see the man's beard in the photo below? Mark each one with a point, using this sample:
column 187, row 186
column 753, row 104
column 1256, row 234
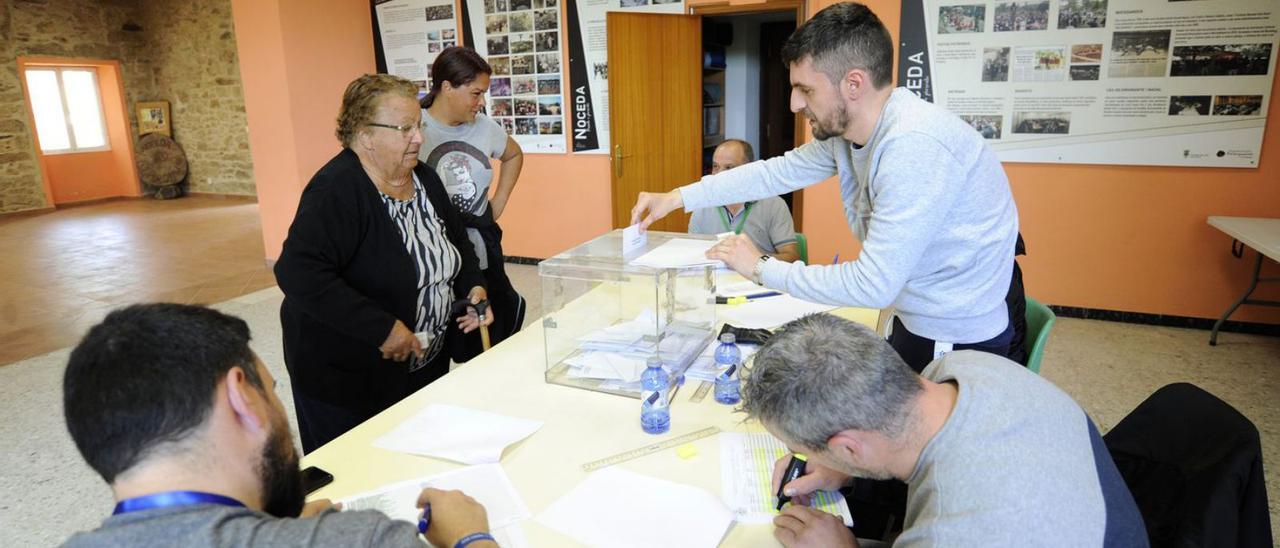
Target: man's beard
column 822, row 130
column 282, row 494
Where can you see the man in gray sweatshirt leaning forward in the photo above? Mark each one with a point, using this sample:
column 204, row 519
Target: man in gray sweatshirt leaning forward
column 994, row 455
column 921, row 190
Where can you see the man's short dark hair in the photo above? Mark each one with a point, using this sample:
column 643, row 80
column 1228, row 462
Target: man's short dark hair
column 840, row 38
column 146, row 377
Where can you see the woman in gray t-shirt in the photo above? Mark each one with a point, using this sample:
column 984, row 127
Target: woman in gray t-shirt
column 458, row 144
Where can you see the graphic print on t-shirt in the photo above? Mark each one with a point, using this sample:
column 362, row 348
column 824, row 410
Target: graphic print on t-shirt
column 466, row 174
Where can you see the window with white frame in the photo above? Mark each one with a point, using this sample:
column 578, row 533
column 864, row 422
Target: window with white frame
column 67, row 109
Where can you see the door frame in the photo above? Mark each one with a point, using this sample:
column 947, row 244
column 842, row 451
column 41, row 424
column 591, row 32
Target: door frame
column 728, row 9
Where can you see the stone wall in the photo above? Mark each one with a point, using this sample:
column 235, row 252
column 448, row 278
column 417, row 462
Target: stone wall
column 184, row 53
column 191, row 54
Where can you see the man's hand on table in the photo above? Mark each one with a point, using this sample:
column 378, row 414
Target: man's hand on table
column 739, row 252
column 454, row 515
column 802, row 526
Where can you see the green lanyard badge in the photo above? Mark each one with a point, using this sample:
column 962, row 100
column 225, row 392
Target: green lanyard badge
column 742, row 221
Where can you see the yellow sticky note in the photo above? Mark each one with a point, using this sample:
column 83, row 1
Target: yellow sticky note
column 687, row 451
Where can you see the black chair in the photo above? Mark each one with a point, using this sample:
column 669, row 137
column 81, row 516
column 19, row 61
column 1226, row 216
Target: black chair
column 1194, row 466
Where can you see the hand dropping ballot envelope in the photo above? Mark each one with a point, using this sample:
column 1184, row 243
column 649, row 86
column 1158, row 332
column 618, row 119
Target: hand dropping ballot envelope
column 633, row 240
column 458, row 434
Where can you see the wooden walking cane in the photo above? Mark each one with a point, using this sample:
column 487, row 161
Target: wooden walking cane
column 482, row 308
column 459, row 308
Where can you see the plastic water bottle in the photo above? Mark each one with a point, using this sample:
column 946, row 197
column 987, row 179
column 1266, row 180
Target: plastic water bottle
column 728, row 360
column 655, row 413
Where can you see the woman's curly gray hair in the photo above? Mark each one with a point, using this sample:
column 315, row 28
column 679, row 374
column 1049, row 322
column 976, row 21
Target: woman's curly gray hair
column 361, row 99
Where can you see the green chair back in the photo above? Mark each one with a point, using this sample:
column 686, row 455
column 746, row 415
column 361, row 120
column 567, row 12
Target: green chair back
column 802, row 246
column 1039, row 322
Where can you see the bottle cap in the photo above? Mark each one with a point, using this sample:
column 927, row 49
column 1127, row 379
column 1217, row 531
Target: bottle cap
column 728, row 338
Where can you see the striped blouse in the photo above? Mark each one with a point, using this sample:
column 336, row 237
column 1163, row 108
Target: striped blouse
column 435, row 260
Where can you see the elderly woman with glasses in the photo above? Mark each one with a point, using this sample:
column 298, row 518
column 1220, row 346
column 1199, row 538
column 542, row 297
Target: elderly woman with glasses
column 373, row 264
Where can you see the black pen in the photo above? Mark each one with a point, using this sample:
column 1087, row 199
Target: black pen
column 794, row 470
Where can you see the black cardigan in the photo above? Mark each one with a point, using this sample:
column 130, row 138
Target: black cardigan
column 347, row 278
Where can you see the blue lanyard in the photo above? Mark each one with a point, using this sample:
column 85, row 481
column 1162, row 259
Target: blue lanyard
column 172, row 498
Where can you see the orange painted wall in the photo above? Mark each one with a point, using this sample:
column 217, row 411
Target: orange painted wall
column 84, row 176
column 1118, row 238
column 296, row 58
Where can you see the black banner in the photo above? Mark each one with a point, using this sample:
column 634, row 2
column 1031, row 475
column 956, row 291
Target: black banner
column 913, row 55
column 468, row 35
column 582, row 122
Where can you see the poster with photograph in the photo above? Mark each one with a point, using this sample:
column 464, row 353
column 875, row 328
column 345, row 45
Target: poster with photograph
column 589, row 66
column 413, row 33
column 521, row 41
column 1127, row 82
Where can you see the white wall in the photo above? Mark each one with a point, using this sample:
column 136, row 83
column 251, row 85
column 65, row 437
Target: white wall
column 742, row 82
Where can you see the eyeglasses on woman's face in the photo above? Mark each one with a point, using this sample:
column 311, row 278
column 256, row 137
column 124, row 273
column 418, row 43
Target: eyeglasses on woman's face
column 406, row 130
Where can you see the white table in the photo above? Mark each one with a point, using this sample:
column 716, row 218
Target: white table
column 580, row 426
column 1263, row 235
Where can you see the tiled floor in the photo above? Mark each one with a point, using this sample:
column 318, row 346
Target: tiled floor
column 63, row 271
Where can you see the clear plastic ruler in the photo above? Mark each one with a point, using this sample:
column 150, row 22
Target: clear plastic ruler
column 701, row 393
column 650, row 449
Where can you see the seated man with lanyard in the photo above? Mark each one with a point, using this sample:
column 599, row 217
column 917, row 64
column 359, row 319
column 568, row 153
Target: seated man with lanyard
column 170, row 406
column 767, row 222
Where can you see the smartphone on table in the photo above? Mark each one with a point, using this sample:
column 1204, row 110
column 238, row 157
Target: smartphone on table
column 314, row 478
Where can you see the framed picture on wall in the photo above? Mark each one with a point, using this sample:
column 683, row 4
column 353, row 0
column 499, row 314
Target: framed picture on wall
column 153, row 117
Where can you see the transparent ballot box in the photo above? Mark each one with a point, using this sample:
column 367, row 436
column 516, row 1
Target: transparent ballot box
column 605, row 317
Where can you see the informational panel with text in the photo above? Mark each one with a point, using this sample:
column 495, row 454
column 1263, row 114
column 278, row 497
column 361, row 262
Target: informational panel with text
column 1136, row 82
column 413, row 32
column 589, row 66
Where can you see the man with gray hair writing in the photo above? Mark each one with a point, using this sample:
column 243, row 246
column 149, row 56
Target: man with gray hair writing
column 992, row 453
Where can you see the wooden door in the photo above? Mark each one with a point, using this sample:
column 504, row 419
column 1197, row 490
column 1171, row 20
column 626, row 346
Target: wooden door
column 655, row 109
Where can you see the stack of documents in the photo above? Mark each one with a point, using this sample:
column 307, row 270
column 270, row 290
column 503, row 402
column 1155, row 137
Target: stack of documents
column 746, row 475
column 618, row 354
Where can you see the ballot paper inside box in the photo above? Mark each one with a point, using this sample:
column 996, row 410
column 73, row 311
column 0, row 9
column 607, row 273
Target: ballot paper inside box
column 605, row 315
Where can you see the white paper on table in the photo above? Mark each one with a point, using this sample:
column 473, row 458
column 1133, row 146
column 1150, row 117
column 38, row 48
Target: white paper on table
column 617, row 507
column 606, row 365
column 633, row 240
column 739, row 289
column 488, row 484
column 746, row 479
column 456, row 433
column 678, row 252
column 769, row 312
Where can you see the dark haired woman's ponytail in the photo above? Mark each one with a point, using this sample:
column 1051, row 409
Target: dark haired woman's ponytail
column 430, row 97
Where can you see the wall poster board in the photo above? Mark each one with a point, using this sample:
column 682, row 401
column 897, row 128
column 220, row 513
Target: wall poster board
column 521, row 41
column 1127, row 82
column 413, row 32
column 589, row 66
